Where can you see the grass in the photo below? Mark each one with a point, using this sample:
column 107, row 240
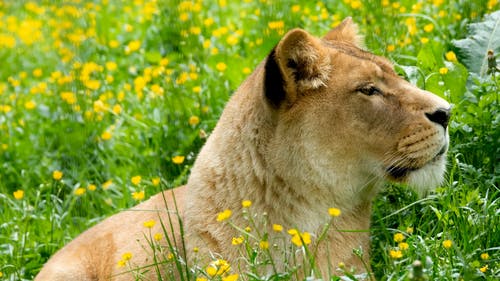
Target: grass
column 101, row 101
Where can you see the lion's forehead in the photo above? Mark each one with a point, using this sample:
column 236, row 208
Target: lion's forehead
column 356, row 53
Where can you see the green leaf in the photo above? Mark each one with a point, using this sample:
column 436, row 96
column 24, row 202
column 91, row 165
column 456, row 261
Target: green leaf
column 483, row 36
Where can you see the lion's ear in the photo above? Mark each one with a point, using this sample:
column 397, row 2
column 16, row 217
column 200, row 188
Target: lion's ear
column 346, row 31
column 304, row 62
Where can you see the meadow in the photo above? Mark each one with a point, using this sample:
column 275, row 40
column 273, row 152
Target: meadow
column 104, row 103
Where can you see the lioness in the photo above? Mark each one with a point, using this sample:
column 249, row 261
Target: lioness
column 320, row 123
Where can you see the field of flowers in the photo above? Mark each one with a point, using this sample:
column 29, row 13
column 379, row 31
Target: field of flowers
column 106, row 102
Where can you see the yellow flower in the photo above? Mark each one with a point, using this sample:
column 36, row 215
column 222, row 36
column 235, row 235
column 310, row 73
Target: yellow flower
column 484, row 268
column 237, row 240
column 133, row 46
column 91, row 187
column 30, row 105
column 293, row 231
column 79, row 191
column 117, row 109
column 178, row 159
column 221, row 66
column 399, row 237
column 149, row 223
column 37, row 72
column 18, row 194
column 232, row 277
column 428, row 27
column 395, row 254
column 156, row 181
column 356, row 4
column 211, row 271
column 277, row 228
column 485, row 256
column 107, row 184
column 450, row 56
column 157, row 236
column 409, row 230
column 403, row 246
column 443, row 70
column 57, row 175
column 334, row 212
column 127, row 256
column 106, row 135
column 300, row 239
column 224, row 215
column 136, row 180
column 194, row 120
column 390, row 48
column 111, row 65
column 138, row 195
column 248, row 229
column 264, row 245
column 447, row 244
column 246, row 203
column 295, row 8
column 424, row 40
column 121, row 263
column 201, row 279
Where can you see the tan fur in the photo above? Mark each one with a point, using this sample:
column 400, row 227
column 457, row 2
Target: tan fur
column 325, row 144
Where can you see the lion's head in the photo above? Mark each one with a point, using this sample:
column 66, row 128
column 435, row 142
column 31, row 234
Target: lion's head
column 343, row 109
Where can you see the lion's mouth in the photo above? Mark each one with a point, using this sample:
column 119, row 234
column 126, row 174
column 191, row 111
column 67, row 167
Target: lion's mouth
column 399, row 173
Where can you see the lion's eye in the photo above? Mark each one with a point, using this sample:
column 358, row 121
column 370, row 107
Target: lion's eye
column 370, row 91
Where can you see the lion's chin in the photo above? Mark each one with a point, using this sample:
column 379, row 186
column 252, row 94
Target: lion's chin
column 422, row 179
column 429, row 176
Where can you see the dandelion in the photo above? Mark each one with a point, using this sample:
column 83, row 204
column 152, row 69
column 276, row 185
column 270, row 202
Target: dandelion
column 57, row 175
column 450, row 56
column 37, row 72
column 264, row 245
column 91, row 187
column 409, row 230
column 399, row 237
column 113, row 44
column 246, row 203
column 356, row 4
column 127, row 256
column 211, row 271
column 428, row 27
column 403, row 246
column 201, row 279
column 395, row 254
column 155, row 181
column 221, row 66
column 157, row 236
column 117, row 109
column 237, row 240
column 485, row 256
column 300, row 239
column 447, row 244
column 107, row 184
column 424, row 40
column 334, row 212
column 194, row 120
column 106, row 135
column 443, row 70
column 277, row 228
column 132, row 46
column 248, row 229
column 121, row 263
column 224, row 215
column 136, row 180
column 111, row 65
column 79, row 191
column 484, row 268
column 138, row 195
column 18, row 194
column 232, row 277
column 29, row 105
column 149, row 223
column 178, row 159
column 295, row 8
column 390, row 48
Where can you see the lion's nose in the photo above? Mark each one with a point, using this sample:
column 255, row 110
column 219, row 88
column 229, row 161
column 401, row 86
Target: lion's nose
column 440, row 116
